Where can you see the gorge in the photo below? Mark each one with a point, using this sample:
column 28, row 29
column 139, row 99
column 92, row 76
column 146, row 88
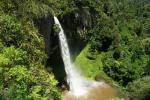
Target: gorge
column 74, row 49
column 79, row 87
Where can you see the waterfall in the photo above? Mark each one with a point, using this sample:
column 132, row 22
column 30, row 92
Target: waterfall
column 77, row 85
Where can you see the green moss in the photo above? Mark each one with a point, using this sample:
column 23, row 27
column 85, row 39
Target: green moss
column 91, row 68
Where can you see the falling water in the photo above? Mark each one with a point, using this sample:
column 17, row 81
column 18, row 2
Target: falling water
column 81, row 89
column 77, row 85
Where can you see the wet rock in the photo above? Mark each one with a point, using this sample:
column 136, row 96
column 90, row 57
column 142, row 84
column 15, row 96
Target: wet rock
column 99, row 78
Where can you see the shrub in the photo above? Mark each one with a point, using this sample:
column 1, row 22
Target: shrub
column 10, row 30
column 139, row 89
column 103, row 35
column 20, row 80
column 124, row 69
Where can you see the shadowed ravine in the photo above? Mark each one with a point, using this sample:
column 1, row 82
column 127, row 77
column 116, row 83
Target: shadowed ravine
column 80, row 89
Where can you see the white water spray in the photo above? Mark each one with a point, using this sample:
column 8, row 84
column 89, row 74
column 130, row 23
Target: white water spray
column 77, row 85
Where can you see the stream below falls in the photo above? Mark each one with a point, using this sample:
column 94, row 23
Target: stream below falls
column 101, row 92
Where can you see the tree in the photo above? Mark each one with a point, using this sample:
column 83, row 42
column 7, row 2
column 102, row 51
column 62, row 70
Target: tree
column 139, row 89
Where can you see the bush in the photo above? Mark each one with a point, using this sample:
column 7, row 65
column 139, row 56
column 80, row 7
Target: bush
column 20, row 80
column 22, row 59
column 103, row 35
column 10, row 30
column 139, row 89
column 124, row 69
column 16, row 56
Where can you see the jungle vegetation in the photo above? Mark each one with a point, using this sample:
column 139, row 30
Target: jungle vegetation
column 118, row 40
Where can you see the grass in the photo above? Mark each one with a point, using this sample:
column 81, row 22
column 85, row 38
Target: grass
column 92, row 67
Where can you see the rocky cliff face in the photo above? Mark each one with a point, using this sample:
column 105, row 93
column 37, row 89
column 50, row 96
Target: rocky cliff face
column 45, row 26
column 74, row 24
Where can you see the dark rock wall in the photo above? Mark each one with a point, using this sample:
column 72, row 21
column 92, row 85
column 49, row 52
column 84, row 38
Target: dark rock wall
column 54, row 62
column 72, row 23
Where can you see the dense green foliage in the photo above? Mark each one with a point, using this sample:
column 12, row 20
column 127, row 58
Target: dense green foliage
column 89, row 64
column 118, row 45
column 22, row 58
column 140, row 89
column 120, row 35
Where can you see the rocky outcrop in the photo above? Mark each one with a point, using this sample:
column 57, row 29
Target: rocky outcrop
column 76, row 21
column 73, row 24
column 45, row 26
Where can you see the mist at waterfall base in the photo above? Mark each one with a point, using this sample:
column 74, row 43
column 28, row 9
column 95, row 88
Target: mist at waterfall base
column 78, row 85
